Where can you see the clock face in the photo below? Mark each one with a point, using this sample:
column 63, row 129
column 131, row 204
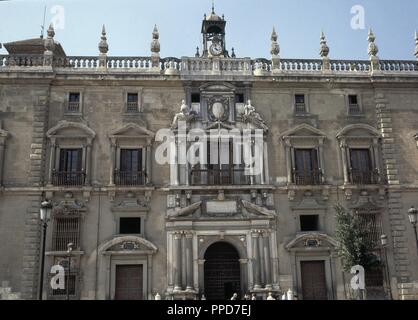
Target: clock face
column 216, row 49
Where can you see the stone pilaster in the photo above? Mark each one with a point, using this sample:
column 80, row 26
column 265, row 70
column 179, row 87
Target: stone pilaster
column 390, row 172
column 31, row 257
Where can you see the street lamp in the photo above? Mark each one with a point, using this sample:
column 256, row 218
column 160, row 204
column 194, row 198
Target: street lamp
column 45, row 216
column 412, row 215
column 384, row 242
column 69, row 250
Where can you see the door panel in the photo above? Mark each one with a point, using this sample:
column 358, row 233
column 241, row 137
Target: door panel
column 314, row 285
column 129, row 282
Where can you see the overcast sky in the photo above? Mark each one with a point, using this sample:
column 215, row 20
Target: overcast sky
column 129, row 25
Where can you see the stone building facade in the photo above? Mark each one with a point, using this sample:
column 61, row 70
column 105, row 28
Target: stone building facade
column 85, row 132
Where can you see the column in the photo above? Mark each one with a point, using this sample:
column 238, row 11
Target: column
column 261, row 262
column 267, row 260
column 148, row 151
column 376, row 158
column 173, row 163
column 343, row 147
column 256, row 261
column 88, row 163
column 321, row 159
column 261, row 162
column 112, row 162
column 251, row 157
column 288, row 161
column 189, row 261
column 177, row 261
column 183, row 261
column 52, row 161
column 266, row 164
column 244, row 276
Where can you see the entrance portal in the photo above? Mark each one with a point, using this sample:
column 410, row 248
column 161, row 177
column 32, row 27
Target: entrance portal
column 222, row 271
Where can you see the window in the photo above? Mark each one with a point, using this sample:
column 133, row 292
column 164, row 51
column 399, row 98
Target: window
column 74, row 102
column 72, row 286
column 309, row 223
column 370, row 223
column 239, row 98
column 300, row 105
column 132, row 102
column 306, row 166
column 131, row 171
column 361, row 169
column 70, row 171
column 220, row 168
column 66, row 230
column 130, row 225
column 195, row 97
column 353, row 105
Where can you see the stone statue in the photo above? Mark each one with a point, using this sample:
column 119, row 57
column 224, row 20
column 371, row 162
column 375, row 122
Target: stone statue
column 251, row 115
column 270, row 296
column 234, row 296
column 184, row 115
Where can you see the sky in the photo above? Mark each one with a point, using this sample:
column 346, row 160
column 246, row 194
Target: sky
column 129, row 25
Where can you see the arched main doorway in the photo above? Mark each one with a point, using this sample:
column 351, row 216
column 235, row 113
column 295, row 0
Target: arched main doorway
column 221, row 271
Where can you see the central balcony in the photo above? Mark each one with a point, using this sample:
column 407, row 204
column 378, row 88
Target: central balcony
column 129, row 178
column 70, row 178
column 307, row 178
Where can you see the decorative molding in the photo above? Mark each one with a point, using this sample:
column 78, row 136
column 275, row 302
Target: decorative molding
column 293, row 133
column 359, row 126
column 63, row 124
column 121, row 240
column 303, row 239
column 258, row 210
column 183, row 212
column 143, row 132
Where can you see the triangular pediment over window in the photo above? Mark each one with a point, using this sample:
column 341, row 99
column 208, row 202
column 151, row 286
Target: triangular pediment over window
column 303, row 130
column 132, row 130
column 70, row 129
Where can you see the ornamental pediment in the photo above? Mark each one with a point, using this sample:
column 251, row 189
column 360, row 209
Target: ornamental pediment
column 303, row 130
column 312, row 240
column 132, row 130
column 127, row 244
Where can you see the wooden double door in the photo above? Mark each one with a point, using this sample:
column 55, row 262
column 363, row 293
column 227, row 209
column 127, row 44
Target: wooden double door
column 314, row 284
column 129, row 282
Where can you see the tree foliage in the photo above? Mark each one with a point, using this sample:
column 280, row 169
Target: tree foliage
column 355, row 246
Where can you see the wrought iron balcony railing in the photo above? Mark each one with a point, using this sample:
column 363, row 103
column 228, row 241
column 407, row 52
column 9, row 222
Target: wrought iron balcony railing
column 306, row 178
column 129, row 178
column 364, row 177
column 70, row 178
column 219, row 177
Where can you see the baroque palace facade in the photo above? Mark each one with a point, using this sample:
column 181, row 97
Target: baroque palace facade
column 82, row 132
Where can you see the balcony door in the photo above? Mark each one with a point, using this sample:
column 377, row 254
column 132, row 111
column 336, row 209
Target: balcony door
column 306, row 167
column 70, row 170
column 361, row 166
column 131, row 170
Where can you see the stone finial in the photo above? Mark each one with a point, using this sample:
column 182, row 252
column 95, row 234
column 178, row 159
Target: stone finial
column 233, row 55
column 49, row 41
column 155, row 44
column 324, row 49
column 197, row 54
column 416, row 44
column 155, row 48
column 103, row 46
column 275, row 49
column 373, row 50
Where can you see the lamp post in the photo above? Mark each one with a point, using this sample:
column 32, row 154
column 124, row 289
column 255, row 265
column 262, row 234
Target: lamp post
column 45, row 216
column 69, row 250
column 384, row 242
column 412, row 215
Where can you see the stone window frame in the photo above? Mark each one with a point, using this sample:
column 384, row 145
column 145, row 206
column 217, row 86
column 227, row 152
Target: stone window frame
column 3, row 138
column 83, row 140
column 292, row 141
column 142, row 140
column 359, row 102
column 371, row 141
column 130, row 214
column 67, row 99
column 139, row 91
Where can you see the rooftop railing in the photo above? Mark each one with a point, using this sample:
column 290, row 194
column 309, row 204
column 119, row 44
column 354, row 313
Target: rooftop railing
column 197, row 65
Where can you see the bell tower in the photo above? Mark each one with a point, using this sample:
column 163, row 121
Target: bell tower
column 213, row 32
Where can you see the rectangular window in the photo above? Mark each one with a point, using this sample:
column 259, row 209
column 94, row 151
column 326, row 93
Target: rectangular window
column 300, row 105
column 130, row 225
column 71, row 280
column 309, row 223
column 361, row 170
column 353, row 105
column 195, row 98
column 70, row 170
column 371, row 224
column 66, row 230
column 306, row 167
column 131, row 171
column 239, row 98
column 74, row 102
column 132, row 102
column 220, row 168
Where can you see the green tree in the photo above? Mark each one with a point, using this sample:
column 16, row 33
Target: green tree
column 355, row 246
